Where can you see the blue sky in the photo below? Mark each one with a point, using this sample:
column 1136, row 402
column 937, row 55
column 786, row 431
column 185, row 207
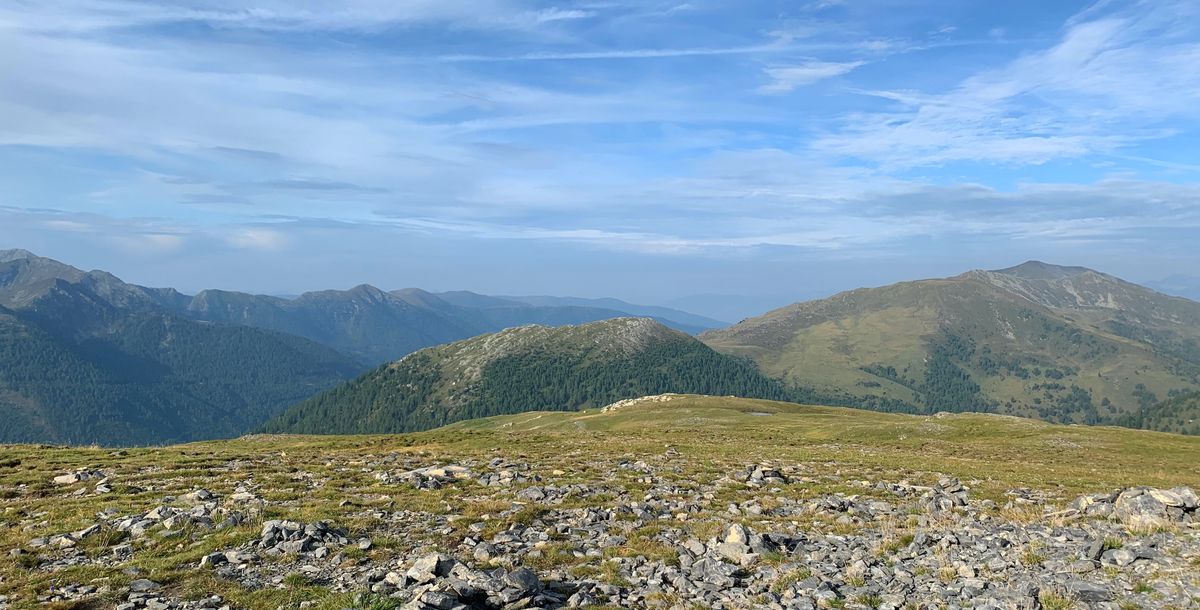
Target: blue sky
column 644, row 150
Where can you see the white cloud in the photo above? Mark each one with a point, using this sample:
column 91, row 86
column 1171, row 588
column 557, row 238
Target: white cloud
column 283, row 15
column 820, row 5
column 735, row 205
column 558, row 14
column 787, row 78
column 665, row 52
column 149, row 243
column 68, row 225
column 257, row 239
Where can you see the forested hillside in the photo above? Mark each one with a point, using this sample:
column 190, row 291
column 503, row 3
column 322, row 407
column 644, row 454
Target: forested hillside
column 85, row 358
column 528, row 369
column 88, row 358
column 1179, row 414
column 152, row 379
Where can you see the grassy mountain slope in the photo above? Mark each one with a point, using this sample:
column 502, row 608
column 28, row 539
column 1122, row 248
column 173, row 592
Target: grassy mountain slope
column 1180, row 414
column 1058, row 343
column 1003, row 452
column 523, row 369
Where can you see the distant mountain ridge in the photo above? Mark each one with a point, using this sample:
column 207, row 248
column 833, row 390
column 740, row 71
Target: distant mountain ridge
column 364, row 322
column 376, row 326
column 1186, row 286
column 86, row 358
column 1066, row 344
column 676, row 316
column 529, row 368
column 368, row 324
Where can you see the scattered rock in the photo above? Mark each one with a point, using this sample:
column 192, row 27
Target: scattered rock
column 78, row 476
column 143, row 585
column 891, row 543
column 1142, row 508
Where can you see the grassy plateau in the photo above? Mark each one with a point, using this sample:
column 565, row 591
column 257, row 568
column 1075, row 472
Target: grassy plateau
column 332, row 478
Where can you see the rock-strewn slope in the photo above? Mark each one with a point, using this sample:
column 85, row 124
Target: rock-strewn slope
column 617, row 510
column 629, row 538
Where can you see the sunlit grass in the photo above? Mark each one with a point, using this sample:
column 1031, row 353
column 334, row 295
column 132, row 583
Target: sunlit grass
column 308, row 478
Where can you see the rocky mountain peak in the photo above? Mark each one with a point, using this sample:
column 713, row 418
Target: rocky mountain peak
column 25, row 276
column 635, row 333
column 1061, row 287
column 16, row 254
column 1037, row 270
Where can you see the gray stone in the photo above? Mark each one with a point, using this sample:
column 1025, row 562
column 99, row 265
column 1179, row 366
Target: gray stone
column 213, row 560
column 524, row 580
column 143, row 585
column 1088, row 592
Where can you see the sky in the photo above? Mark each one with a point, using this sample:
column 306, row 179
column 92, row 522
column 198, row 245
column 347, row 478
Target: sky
column 758, row 152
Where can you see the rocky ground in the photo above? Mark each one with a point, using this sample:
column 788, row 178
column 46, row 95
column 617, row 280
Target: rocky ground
column 383, row 526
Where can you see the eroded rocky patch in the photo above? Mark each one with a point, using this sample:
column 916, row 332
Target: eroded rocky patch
column 504, row 532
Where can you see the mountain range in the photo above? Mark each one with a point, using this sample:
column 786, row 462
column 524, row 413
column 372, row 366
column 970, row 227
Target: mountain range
column 1065, row 344
column 86, row 357
column 374, row 326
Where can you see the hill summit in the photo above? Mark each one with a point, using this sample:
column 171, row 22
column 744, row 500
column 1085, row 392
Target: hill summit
column 1037, row 270
column 527, row 368
column 1067, row 344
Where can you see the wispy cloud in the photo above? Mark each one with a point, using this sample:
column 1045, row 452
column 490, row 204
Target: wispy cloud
column 281, row 15
column 616, row 54
column 257, row 239
column 149, row 243
column 873, row 217
column 1107, row 84
column 669, row 130
column 787, row 78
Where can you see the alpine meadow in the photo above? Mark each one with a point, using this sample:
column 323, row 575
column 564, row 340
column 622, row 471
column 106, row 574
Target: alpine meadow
column 566, row 304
